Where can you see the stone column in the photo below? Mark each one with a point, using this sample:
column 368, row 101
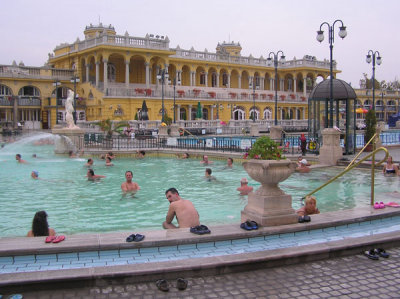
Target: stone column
column 217, row 80
column 87, row 73
column 191, row 78
column 178, row 113
column 97, row 73
column 240, row 81
column 147, row 66
column 229, row 80
column 304, row 87
column 262, row 79
column 189, row 117
column 330, row 151
column 294, row 85
column 206, row 79
column 281, row 84
column 212, row 112
column 271, row 84
column 105, row 74
column 127, row 73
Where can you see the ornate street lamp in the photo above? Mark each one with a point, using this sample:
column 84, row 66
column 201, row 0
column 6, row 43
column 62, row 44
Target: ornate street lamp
column 162, row 75
column 275, row 57
column 378, row 60
column 320, row 38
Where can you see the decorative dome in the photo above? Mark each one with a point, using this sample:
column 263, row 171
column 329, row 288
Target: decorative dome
column 341, row 90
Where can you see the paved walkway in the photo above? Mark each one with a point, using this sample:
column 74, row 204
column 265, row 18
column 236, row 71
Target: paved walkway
column 346, row 277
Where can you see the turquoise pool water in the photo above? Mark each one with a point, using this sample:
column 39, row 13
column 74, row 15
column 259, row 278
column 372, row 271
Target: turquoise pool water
column 75, row 205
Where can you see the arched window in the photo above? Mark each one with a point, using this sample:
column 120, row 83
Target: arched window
column 267, row 114
column 205, row 113
column 254, row 113
column 214, row 79
column 225, row 79
column 202, row 78
column 111, row 72
column 182, row 113
column 82, row 115
column 31, row 91
column 5, row 90
column 239, row 114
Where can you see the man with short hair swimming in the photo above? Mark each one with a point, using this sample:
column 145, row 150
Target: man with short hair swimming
column 129, row 186
column 18, row 157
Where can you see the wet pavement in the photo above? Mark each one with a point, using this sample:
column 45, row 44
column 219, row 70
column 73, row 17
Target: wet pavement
column 353, row 276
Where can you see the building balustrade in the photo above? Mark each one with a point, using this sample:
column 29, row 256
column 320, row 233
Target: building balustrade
column 13, row 71
column 197, row 92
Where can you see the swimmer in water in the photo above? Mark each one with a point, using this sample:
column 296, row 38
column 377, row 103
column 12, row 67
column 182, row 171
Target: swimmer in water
column 128, row 185
column 208, row 175
column 244, row 189
column 93, row 177
column 18, row 157
column 89, row 163
column 108, row 162
column 35, row 174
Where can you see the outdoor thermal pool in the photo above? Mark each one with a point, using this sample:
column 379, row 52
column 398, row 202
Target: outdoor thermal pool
column 75, row 205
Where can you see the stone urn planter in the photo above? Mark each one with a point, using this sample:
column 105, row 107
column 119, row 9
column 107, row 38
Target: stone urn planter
column 269, row 205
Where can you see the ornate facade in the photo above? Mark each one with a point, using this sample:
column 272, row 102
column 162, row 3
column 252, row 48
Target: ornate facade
column 116, row 73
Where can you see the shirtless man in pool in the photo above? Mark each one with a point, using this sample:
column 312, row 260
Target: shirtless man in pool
column 184, row 210
column 129, row 186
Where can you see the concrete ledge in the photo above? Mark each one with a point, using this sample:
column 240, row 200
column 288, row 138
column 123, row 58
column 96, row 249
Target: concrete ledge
column 114, row 241
column 202, row 266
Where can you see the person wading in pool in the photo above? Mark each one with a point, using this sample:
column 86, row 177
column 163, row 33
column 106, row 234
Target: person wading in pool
column 18, row 157
column 129, row 186
column 184, row 210
column 93, row 177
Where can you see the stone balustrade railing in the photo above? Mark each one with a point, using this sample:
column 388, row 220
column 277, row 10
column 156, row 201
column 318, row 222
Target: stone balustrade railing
column 14, row 71
column 204, row 93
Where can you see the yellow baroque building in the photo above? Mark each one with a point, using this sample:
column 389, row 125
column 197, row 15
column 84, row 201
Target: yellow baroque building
column 114, row 74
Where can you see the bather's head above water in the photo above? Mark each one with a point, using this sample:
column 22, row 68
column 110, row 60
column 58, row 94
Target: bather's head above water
column 35, row 174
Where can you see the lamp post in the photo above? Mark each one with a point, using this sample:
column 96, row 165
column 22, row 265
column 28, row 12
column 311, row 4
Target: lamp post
column 162, row 75
column 56, row 84
column 275, row 57
column 320, row 38
column 74, row 80
column 374, row 59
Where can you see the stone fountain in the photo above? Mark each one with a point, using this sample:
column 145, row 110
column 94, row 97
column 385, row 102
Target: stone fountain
column 71, row 135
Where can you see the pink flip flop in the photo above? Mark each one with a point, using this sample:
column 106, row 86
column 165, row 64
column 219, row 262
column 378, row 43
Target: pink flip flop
column 377, row 206
column 392, row 204
column 381, row 205
column 50, row 239
column 58, row 239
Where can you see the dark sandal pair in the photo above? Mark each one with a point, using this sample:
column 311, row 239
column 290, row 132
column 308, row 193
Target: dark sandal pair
column 304, row 218
column 200, row 230
column 162, row 284
column 249, row 225
column 135, row 238
column 374, row 254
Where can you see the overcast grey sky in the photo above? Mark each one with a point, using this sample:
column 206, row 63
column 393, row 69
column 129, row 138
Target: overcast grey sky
column 31, row 29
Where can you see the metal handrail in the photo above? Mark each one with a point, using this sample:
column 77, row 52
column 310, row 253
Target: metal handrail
column 361, row 151
column 356, row 164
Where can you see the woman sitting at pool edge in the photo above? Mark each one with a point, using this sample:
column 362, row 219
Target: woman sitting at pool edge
column 390, row 167
column 310, row 207
column 40, row 227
